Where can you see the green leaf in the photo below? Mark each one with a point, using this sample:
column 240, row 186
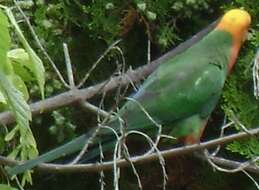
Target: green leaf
column 13, row 155
column 2, row 98
column 21, row 64
column 11, row 134
column 142, row 6
column 6, row 187
column 27, row 139
column 20, row 85
column 26, row 178
column 37, row 65
column 151, row 15
column 15, row 101
column 18, row 55
column 14, row 92
column 5, row 41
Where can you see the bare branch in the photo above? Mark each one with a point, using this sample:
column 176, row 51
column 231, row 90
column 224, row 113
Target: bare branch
column 95, row 109
column 237, row 122
column 97, row 167
column 147, row 158
column 140, row 186
column 87, row 144
column 223, row 128
column 157, row 152
column 234, row 164
column 73, row 96
column 241, row 167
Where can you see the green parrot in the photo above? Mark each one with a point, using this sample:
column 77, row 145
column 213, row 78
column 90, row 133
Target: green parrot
column 179, row 95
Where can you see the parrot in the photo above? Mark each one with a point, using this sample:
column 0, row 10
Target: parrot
column 179, row 95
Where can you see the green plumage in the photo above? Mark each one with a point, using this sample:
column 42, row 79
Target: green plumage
column 180, row 94
column 187, row 85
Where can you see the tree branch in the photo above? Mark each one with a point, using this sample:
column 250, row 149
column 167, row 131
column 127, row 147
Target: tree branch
column 75, row 95
column 234, row 164
column 97, row 167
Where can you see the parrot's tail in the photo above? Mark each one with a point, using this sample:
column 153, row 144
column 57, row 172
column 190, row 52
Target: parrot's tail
column 104, row 136
column 66, row 149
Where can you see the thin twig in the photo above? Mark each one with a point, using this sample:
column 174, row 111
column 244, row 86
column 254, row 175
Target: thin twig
column 101, row 179
column 108, row 115
column 95, row 109
column 144, row 111
column 234, row 170
column 120, row 70
column 87, row 144
column 95, row 133
column 252, row 179
column 223, row 128
column 91, row 139
column 127, row 156
column 117, row 154
column 237, row 122
column 230, row 163
column 148, row 51
column 116, row 170
column 240, row 168
column 159, row 126
column 96, row 63
column 40, row 46
column 18, row 183
column 120, row 144
column 135, row 88
column 168, row 137
column 157, row 152
column 70, row 75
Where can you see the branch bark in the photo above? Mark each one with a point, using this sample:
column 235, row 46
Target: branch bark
column 97, row 167
column 77, row 95
column 234, row 164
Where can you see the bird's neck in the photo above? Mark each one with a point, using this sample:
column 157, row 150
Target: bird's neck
column 237, row 40
column 234, row 54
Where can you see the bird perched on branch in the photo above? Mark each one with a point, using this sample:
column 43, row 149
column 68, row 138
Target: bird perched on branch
column 179, row 95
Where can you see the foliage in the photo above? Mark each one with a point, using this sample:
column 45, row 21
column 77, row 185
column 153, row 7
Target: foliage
column 90, row 26
column 108, row 20
column 62, row 126
column 35, row 63
column 6, row 187
column 13, row 91
column 238, row 94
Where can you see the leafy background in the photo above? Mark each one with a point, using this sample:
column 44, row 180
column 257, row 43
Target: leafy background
column 88, row 28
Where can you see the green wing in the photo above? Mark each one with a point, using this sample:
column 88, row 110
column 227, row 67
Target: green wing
column 187, row 85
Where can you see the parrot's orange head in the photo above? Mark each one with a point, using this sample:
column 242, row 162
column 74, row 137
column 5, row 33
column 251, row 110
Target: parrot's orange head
column 236, row 22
